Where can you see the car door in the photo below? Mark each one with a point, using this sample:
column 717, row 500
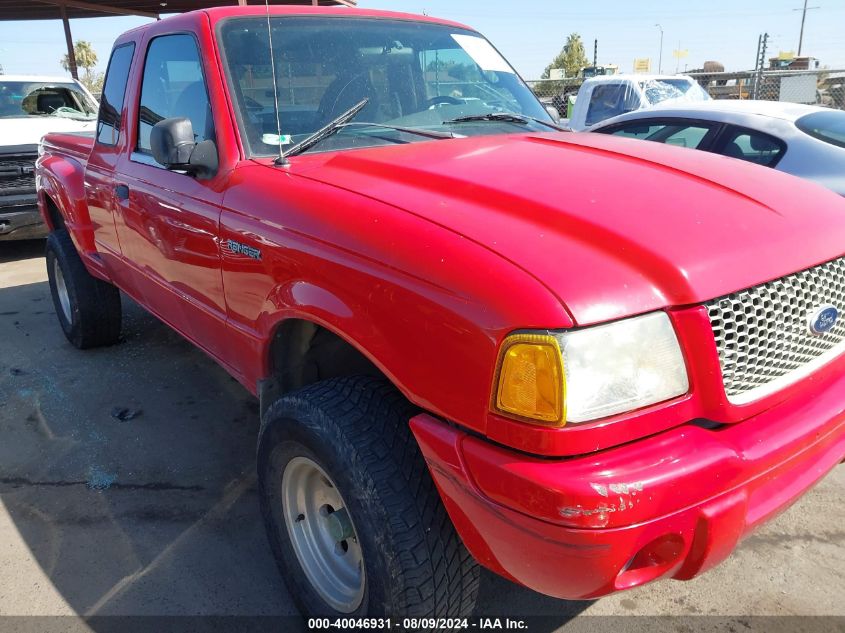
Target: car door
column 169, row 221
column 108, row 145
column 689, row 133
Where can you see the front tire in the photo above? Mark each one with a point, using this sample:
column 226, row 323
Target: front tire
column 88, row 308
column 353, row 517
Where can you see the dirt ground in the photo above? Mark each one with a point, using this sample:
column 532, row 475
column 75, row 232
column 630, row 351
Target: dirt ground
column 158, row 515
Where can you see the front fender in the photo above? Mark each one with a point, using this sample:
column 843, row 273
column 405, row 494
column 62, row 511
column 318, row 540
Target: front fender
column 425, row 305
column 60, row 180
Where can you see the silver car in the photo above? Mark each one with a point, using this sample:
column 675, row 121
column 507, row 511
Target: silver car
column 807, row 141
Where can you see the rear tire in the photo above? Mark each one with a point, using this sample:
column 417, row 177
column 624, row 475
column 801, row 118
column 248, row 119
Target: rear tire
column 88, row 308
column 356, row 432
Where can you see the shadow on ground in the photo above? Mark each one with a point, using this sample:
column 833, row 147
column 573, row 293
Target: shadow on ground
column 154, row 515
column 22, row 249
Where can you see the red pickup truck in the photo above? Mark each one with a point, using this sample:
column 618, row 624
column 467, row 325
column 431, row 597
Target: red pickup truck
column 583, row 362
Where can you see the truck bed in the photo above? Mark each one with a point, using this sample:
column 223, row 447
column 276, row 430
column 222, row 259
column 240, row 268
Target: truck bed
column 77, row 145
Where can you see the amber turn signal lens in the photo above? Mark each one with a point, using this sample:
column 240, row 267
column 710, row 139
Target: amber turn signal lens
column 530, row 379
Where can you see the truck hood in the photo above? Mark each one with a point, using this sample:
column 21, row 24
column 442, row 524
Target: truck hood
column 29, row 130
column 613, row 227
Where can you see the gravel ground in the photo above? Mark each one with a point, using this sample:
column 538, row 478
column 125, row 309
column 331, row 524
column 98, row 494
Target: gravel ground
column 157, row 515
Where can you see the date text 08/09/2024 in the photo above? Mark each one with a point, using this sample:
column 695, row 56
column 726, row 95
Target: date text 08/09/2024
column 413, row 624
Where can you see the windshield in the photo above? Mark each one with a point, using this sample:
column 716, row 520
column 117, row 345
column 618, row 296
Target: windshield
column 413, row 74
column 29, row 99
column 659, row 90
column 826, row 126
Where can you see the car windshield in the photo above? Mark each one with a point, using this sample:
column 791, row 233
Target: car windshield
column 659, row 90
column 826, row 126
column 41, row 99
column 414, row 75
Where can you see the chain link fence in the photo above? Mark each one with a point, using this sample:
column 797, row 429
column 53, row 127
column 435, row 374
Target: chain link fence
column 818, row 87
column 814, row 87
column 556, row 92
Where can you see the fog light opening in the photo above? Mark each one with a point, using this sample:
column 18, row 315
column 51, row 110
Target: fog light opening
column 652, row 561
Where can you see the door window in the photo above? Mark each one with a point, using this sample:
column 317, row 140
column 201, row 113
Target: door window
column 173, row 86
column 755, row 147
column 678, row 134
column 114, row 89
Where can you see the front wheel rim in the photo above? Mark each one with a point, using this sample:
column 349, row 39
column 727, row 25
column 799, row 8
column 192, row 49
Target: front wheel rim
column 322, row 534
column 61, row 291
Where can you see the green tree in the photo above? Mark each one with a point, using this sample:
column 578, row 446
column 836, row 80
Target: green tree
column 86, row 59
column 572, row 58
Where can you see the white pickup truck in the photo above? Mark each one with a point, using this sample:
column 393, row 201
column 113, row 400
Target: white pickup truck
column 603, row 97
column 30, row 107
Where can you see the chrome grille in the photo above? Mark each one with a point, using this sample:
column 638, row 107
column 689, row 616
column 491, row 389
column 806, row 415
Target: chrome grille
column 763, row 333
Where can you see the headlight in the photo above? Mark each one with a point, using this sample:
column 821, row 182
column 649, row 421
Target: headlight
column 604, row 370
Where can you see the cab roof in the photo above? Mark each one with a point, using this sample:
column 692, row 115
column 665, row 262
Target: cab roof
column 219, row 13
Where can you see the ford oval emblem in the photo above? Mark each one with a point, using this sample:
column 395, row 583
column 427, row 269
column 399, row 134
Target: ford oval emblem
column 823, row 319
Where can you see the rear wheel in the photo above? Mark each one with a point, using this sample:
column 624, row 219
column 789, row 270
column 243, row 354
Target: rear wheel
column 352, row 514
column 88, row 308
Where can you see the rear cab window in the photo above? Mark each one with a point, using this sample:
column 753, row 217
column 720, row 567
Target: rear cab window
column 114, row 92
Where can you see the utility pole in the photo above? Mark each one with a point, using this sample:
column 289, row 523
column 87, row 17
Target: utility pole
column 803, row 20
column 762, row 45
column 595, row 53
column 660, row 56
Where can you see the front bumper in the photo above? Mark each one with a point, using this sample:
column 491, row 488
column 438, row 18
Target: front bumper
column 669, row 506
column 21, row 222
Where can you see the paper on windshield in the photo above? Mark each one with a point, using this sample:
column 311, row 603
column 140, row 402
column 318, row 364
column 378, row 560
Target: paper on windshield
column 483, row 53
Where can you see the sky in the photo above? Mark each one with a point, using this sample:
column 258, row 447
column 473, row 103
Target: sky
column 531, row 33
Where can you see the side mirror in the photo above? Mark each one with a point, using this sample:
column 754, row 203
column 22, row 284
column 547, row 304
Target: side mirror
column 172, row 143
column 553, row 112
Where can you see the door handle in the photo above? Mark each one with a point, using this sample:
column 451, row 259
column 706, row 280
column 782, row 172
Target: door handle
column 122, row 192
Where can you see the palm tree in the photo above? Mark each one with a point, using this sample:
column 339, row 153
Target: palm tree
column 571, row 59
column 86, row 58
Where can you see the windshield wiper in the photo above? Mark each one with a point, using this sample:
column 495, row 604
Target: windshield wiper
column 327, row 130
column 343, row 121
column 508, row 117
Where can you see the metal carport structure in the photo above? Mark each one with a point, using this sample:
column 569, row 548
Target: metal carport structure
column 13, row 10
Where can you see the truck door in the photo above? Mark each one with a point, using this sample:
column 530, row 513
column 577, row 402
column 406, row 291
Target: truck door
column 169, row 221
column 108, row 145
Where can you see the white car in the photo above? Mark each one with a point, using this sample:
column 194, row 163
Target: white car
column 30, row 107
column 803, row 140
column 600, row 98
